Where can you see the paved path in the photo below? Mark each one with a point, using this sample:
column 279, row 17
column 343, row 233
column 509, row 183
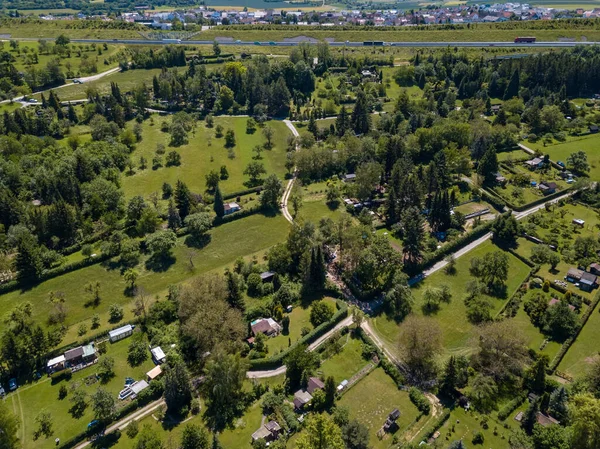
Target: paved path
column 288, row 188
column 121, row 424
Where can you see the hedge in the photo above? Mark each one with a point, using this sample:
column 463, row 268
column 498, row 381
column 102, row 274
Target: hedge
column 243, row 192
column 511, row 407
column 523, row 259
column 541, row 200
column 493, row 199
column 419, row 400
column 277, row 359
column 567, row 344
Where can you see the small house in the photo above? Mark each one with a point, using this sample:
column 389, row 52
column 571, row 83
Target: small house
column 390, row 424
column 138, row 386
column 261, row 434
column 301, row 398
column 350, row 177
column 120, row 333
column 500, row 180
column 547, row 188
column 267, row 276
column 495, row 108
column 574, row 275
column 579, row 222
column 342, row 385
column 231, row 208
column 74, row 356
column 588, row 282
column 158, row 356
column 595, row 268
column 267, row 326
column 56, row 364
column 593, row 129
column 535, row 163
column 154, row 373
column 268, row 432
column 314, row 384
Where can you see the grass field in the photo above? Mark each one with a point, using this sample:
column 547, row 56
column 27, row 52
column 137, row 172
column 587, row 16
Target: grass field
column 456, row 330
column 348, row 362
column 204, row 153
column 372, row 399
column 30, row 399
column 314, row 207
column 54, row 28
column 584, row 349
column 561, row 151
column 243, row 237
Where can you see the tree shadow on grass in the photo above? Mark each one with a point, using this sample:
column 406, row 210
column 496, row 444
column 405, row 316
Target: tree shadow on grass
column 107, row 441
column 498, row 291
column 76, row 411
column 160, row 264
column 198, row 243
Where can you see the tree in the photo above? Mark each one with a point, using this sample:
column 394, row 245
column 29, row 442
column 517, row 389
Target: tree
column 483, row 393
column 229, row 138
column 300, row 365
column 268, row 133
column 272, row 188
column 130, row 277
column 115, row 313
column 552, row 437
column 361, row 119
column 488, row 166
column 62, row 40
column 9, row 425
column 178, row 388
column 218, row 205
column 398, row 300
column 355, row 435
column 29, row 258
column 530, row 417
column 183, row 199
column 320, row 433
column 255, row 170
column 44, row 422
column 173, row 159
column 194, row 437
column 161, row 243
column 198, row 224
column 506, row 229
column 578, row 162
column 137, row 352
column 148, row 439
column 316, row 274
column 558, row 405
column 420, row 344
column 216, row 48
column 224, row 387
column 106, row 368
column 320, row 312
column 586, row 421
column 79, row 400
column 585, row 248
column 560, row 321
column 512, row 89
column 414, row 234
column 103, row 405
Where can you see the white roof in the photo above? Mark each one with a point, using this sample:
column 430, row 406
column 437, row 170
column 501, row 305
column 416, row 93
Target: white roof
column 138, row 386
column 157, row 353
column 56, row 360
column 121, row 330
column 154, row 372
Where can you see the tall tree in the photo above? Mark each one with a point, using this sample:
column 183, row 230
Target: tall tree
column 178, row 388
column 29, row 258
column 218, row 206
column 316, row 274
column 420, row 344
column 183, row 199
column 414, row 234
column 361, row 119
column 321, row 433
column 512, row 89
column 9, row 425
column 194, row 437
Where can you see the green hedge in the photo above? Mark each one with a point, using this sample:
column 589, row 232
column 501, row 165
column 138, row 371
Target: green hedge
column 246, row 212
column 493, row 199
column 523, row 259
column 511, row 407
column 540, row 200
column 419, row 400
column 277, row 360
column 243, row 192
column 439, row 422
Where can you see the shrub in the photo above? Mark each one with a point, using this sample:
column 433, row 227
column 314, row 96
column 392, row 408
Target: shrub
column 132, row 429
column 418, row 398
column 478, row 438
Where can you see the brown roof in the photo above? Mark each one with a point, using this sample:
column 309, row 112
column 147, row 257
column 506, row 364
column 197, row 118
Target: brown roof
column 74, row 353
column 262, row 326
column 272, row 426
column 574, row 273
column 545, row 420
column 314, row 383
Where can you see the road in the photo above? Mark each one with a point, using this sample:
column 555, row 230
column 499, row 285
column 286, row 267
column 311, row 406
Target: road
column 120, row 425
column 503, row 44
column 84, row 79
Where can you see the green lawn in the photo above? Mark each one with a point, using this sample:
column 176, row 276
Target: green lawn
column 204, row 153
column 29, row 400
column 314, row 206
column 243, row 237
column 532, row 334
column 584, row 349
column 54, row 28
column 514, row 155
column 528, row 193
column 372, row 399
column 240, row 435
column 463, row 425
column 299, row 319
column 346, row 363
column 456, row 330
column 561, row 151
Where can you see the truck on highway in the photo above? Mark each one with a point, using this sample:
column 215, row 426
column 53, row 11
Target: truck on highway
column 524, row 40
column 172, row 41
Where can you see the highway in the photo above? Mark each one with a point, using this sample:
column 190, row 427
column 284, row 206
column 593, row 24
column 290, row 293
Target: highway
column 505, row 44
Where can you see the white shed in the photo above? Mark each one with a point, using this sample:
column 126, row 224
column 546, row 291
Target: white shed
column 120, row 333
column 158, row 355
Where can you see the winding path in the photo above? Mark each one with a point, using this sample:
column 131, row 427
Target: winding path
column 288, row 188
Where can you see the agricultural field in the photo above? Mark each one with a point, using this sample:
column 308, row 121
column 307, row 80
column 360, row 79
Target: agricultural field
column 561, row 151
column 456, row 330
column 220, row 252
column 371, row 401
column 53, row 28
column 205, row 152
column 43, row 395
